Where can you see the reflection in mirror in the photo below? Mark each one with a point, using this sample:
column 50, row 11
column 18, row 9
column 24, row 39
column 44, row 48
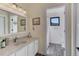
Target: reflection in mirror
column 17, row 23
column 3, row 22
column 11, row 23
column 21, row 24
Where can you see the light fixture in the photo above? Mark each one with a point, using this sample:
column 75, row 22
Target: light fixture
column 20, row 9
column 15, row 6
column 24, row 11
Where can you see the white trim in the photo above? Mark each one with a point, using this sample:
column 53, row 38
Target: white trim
column 73, row 28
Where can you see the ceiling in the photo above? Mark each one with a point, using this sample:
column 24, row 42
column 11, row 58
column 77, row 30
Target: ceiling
column 27, row 6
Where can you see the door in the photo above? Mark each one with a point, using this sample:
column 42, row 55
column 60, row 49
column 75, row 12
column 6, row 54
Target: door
column 21, row 52
column 36, row 47
column 31, row 49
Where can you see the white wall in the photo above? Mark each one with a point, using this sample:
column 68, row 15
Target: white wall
column 40, row 30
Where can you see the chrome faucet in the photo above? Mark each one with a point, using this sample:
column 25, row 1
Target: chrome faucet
column 15, row 39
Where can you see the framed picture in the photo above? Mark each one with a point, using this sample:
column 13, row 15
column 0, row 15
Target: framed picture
column 22, row 22
column 36, row 21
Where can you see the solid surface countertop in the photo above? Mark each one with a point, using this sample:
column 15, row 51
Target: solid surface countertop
column 13, row 47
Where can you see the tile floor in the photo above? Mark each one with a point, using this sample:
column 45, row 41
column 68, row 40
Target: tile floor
column 55, row 50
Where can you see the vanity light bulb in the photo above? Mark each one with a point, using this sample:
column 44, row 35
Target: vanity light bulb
column 24, row 11
column 14, row 6
column 19, row 9
column 8, row 4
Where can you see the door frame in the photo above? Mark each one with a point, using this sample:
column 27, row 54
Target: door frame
column 73, row 28
column 65, row 29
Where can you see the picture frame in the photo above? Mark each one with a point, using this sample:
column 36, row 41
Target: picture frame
column 36, row 21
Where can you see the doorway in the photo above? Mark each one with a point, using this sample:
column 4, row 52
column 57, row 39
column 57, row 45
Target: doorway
column 56, row 36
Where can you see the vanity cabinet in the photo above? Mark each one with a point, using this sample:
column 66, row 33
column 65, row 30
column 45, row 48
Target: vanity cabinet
column 21, row 52
column 32, row 48
column 26, row 50
column 13, row 54
column 36, row 46
column 29, row 50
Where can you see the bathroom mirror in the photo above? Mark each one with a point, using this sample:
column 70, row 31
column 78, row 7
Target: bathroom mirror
column 11, row 23
column 16, row 23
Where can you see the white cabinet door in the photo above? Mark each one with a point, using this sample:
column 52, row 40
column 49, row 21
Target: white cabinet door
column 26, row 50
column 13, row 54
column 36, row 46
column 31, row 49
column 21, row 52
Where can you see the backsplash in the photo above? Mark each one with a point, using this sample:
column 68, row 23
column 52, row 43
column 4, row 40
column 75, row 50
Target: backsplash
column 12, row 36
